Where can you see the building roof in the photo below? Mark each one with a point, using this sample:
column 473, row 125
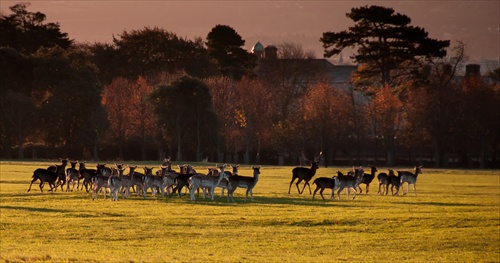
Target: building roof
column 258, row 47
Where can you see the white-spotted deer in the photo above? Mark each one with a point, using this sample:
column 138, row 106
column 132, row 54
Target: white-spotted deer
column 247, row 182
column 206, row 181
column 347, row 181
column 410, row 178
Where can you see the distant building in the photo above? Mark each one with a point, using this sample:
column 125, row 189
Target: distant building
column 300, row 71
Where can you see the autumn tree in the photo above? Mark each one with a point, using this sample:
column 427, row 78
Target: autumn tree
column 253, row 115
column 223, row 94
column 142, row 121
column 225, row 46
column 386, row 116
column 386, row 43
column 287, row 78
column 327, row 116
column 115, row 99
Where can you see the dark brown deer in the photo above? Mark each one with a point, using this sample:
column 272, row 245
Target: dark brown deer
column 45, row 176
column 324, row 183
column 304, row 174
column 393, row 181
column 60, row 170
column 382, row 181
column 86, row 175
column 368, row 178
column 410, row 178
column 181, row 180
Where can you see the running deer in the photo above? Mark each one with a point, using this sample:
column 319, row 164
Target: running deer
column 72, row 176
column 393, row 181
column 326, row 182
column 382, row 181
column 247, row 182
column 206, row 181
column 100, row 180
column 368, row 178
column 410, row 178
column 304, row 174
column 86, row 175
column 60, row 170
column 44, row 175
column 347, row 181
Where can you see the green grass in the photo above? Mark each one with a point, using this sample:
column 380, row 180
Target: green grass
column 454, row 218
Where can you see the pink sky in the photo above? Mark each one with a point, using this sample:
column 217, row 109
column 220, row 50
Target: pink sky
column 271, row 22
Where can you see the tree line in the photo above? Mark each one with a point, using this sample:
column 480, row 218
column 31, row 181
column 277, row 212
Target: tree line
column 151, row 94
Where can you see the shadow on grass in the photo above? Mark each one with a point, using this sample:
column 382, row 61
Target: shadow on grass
column 35, row 209
column 288, row 201
column 438, row 204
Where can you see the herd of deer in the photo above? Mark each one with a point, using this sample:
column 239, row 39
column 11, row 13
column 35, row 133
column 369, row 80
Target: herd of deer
column 165, row 180
column 353, row 180
column 169, row 181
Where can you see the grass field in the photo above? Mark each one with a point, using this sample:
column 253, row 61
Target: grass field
column 454, row 218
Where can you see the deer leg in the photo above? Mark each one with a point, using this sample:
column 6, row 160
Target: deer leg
column 32, row 181
column 415, row 188
column 367, row 188
column 291, row 182
column 321, row 193
column 297, row 184
column 307, row 183
column 338, row 193
column 316, row 190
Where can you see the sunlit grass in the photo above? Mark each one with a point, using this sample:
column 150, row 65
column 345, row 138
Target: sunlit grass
column 454, row 218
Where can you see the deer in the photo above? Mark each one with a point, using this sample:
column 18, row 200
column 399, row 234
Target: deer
column 304, row 174
column 136, row 180
column 326, row 182
column 347, row 181
column 206, row 181
column 368, row 178
column 167, row 177
column 393, row 181
column 115, row 184
column 72, row 176
column 382, row 181
column 410, row 178
column 247, row 182
column 150, row 181
column 181, row 180
column 86, row 175
column 60, row 169
column 100, row 180
column 44, row 175
column 224, row 183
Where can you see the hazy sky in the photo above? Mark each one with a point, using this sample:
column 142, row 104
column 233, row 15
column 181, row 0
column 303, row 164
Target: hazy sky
column 271, row 22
